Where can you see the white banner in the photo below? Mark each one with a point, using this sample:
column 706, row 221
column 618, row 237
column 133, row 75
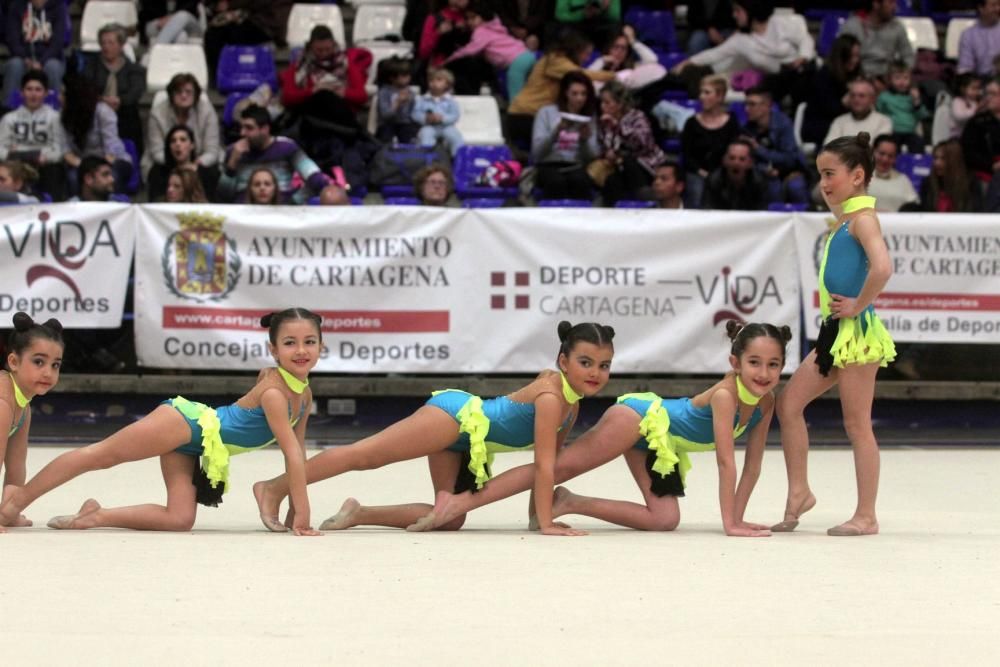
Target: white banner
column 68, row 261
column 458, row 291
column 945, row 286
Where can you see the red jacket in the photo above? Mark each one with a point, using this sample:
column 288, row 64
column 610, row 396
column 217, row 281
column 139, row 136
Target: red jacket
column 358, row 62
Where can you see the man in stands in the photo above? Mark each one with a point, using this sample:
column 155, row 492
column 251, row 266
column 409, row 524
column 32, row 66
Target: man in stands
column 735, row 185
column 980, row 43
column 882, row 36
column 861, row 116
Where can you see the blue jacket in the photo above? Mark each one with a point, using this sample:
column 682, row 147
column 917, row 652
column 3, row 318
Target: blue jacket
column 51, row 19
column 776, row 145
column 446, row 106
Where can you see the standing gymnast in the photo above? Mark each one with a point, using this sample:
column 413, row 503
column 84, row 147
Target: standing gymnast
column 460, row 432
column 179, row 431
column 852, row 343
column 34, row 355
column 655, row 435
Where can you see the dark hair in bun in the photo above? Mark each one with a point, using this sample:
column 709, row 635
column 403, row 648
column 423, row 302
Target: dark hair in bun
column 588, row 332
column 273, row 321
column 854, row 152
column 27, row 331
column 741, row 335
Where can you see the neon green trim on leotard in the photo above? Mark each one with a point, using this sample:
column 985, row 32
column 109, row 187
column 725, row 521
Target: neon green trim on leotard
column 214, row 456
column 746, row 396
column 293, row 383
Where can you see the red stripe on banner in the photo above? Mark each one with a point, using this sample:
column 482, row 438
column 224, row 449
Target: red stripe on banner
column 931, row 301
column 334, row 321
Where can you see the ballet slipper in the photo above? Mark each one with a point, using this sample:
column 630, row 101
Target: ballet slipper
column 273, row 524
column 850, row 530
column 788, row 525
column 342, row 519
column 62, row 522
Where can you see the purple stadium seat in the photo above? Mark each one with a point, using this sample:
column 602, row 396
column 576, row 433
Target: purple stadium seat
column 405, row 190
column 355, row 201
column 470, row 161
column 781, row 206
column 634, row 203
column 480, row 202
column 828, row 29
column 653, row 28
column 402, row 201
column 670, row 58
column 565, row 203
column 132, row 186
column 15, row 100
column 227, row 112
column 916, row 166
column 243, row 68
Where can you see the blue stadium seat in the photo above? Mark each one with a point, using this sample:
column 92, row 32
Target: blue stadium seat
column 243, row 68
column 828, row 29
column 231, row 102
column 355, row 201
column 653, row 28
column 480, row 202
column 916, row 167
column 402, row 201
column 565, row 203
column 132, row 186
column 670, row 58
column 634, row 203
column 470, row 161
column 15, row 100
column 788, row 208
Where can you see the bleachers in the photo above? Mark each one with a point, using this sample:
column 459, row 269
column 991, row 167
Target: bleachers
column 378, row 22
column 98, row 13
column 303, row 17
column 243, row 68
column 166, row 60
column 953, row 35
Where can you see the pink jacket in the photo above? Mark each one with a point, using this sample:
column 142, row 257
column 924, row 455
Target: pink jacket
column 498, row 46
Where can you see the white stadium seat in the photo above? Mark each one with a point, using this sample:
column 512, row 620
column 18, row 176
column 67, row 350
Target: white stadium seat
column 479, row 121
column 303, row 17
column 952, row 36
column 99, row 13
column 921, row 32
column 166, row 60
column 373, row 22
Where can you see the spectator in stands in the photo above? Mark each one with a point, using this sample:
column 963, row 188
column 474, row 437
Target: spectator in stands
column 435, row 186
column 324, row 88
column 444, row 31
column 32, row 133
column 526, row 19
column 735, row 185
column 861, row 115
column 395, row 101
column 35, row 32
column 244, row 22
column 891, row 189
column 624, row 52
column 183, row 186
column 598, row 19
column 709, row 23
column 97, row 180
column 16, row 179
column 334, row 195
column 826, row 93
column 120, row 81
column 979, row 44
column 950, row 188
column 967, row 102
column 491, row 50
column 629, row 152
column 91, row 128
column 777, row 45
column 668, row 186
column 263, row 187
column 706, row 135
column 566, row 54
column 902, row 103
column 883, row 38
column 564, row 140
column 981, row 138
column 258, row 148
column 180, row 150
column 186, row 105
column 438, row 112
column 170, row 27
column 775, row 153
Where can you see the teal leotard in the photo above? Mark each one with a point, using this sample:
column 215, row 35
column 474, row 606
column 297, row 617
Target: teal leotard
column 18, row 397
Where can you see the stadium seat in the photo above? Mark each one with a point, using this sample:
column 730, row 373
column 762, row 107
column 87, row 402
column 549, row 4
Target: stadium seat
column 381, row 51
column 941, row 125
column 653, row 28
column 51, row 98
column 829, row 27
column 303, row 17
column 243, row 68
column 481, row 202
column 921, row 32
column 376, row 23
column 787, row 207
column 402, row 201
column 953, row 35
column 358, row 3
column 565, row 203
column 99, row 13
column 635, row 203
column 916, row 166
column 133, row 184
column 479, row 121
column 670, row 58
column 166, row 60
column 470, row 162
column 227, row 111
column 808, row 148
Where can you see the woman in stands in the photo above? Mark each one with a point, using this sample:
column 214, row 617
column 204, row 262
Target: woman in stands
column 629, row 152
column 826, row 92
column 706, row 136
column 180, row 150
column 120, row 81
column 184, row 187
column 950, row 187
column 564, row 140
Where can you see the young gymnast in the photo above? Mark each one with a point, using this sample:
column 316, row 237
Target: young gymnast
column 459, row 433
column 852, row 343
column 179, row 431
column 654, row 435
column 34, row 355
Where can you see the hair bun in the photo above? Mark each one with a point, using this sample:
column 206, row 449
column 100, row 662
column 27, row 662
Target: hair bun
column 54, row 324
column 864, row 139
column 786, row 332
column 265, row 321
column 23, row 321
column 733, row 329
column 609, row 332
column 563, row 330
